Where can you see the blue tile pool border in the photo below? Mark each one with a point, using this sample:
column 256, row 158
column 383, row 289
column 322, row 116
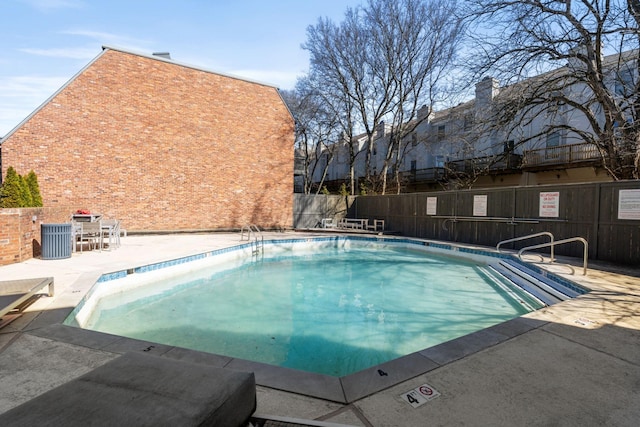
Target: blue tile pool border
column 437, row 245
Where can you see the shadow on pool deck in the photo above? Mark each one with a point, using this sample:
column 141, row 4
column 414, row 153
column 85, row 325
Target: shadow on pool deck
column 574, row 363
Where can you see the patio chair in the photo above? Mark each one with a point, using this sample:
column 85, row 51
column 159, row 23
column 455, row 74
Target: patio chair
column 111, row 231
column 76, row 231
column 91, row 234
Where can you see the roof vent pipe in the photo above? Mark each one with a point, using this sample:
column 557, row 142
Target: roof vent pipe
column 164, row 55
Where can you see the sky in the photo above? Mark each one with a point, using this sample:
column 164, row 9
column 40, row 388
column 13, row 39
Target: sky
column 44, row 43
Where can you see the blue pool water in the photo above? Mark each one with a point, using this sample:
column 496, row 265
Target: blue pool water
column 335, row 311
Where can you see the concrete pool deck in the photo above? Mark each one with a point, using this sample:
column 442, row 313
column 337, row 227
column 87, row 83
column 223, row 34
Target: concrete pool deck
column 574, row 363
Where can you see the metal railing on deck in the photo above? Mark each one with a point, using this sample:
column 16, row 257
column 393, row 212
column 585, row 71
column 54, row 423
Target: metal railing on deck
column 552, row 244
column 529, row 236
column 559, row 242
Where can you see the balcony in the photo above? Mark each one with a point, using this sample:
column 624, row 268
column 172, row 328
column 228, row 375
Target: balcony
column 566, row 156
column 484, row 165
column 428, row 175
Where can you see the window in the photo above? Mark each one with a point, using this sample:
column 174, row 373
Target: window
column 413, row 166
column 414, row 139
column 440, row 161
column 553, row 139
column 441, row 134
column 468, row 121
column 624, row 84
column 509, row 146
column 553, row 142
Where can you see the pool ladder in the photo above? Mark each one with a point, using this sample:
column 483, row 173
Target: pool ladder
column 257, row 244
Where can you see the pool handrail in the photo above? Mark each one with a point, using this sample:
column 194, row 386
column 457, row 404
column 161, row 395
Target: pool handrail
column 559, row 242
column 249, row 228
column 530, row 236
column 252, row 228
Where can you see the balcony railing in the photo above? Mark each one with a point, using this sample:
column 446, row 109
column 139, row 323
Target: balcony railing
column 504, row 162
column 561, row 155
column 423, row 175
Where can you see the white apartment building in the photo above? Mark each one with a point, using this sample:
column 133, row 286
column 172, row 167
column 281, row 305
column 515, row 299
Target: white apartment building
column 450, row 146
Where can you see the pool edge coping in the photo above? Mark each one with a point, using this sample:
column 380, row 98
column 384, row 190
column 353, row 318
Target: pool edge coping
column 346, row 389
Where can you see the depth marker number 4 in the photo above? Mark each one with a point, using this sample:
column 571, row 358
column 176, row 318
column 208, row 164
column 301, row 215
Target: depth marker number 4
column 420, row 395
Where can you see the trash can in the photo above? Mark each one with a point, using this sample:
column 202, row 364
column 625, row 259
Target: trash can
column 56, row 241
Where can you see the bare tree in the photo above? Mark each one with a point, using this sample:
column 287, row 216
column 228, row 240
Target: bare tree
column 564, row 43
column 387, row 59
column 337, row 76
column 415, row 43
column 315, row 132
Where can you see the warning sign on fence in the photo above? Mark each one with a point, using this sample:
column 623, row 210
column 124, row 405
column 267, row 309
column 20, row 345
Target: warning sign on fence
column 550, row 204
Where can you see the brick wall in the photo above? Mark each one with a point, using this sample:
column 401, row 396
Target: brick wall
column 161, row 146
column 20, row 233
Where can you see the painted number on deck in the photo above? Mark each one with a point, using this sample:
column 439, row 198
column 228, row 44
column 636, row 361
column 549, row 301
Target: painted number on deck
column 420, row 395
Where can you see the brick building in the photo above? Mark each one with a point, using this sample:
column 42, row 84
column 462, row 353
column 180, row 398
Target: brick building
column 161, row 146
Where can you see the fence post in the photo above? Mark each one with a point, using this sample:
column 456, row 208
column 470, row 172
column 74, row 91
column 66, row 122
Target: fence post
column 415, row 216
column 514, row 210
column 596, row 221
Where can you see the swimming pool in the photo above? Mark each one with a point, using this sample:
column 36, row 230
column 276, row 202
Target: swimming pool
column 158, row 306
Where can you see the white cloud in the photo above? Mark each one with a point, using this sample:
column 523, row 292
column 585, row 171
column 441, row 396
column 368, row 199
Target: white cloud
column 108, row 38
column 64, row 52
column 47, row 5
column 29, row 85
column 10, row 117
column 21, row 95
column 89, row 51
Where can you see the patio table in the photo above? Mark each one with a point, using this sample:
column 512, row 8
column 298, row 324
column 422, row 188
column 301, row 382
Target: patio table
column 87, row 217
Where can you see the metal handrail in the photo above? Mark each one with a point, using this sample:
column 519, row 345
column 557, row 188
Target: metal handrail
column 529, row 236
column 252, row 228
column 558, row 242
column 248, row 228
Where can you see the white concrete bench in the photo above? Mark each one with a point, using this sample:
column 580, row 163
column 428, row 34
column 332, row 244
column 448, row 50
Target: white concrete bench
column 328, row 223
column 353, row 223
column 377, row 225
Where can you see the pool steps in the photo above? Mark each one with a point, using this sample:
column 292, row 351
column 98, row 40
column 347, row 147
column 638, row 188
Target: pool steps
column 516, row 293
column 542, row 287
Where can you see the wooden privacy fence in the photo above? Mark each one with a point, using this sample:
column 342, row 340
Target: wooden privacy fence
column 607, row 215
column 310, row 210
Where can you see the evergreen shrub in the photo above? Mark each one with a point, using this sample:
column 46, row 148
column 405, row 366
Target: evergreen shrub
column 17, row 191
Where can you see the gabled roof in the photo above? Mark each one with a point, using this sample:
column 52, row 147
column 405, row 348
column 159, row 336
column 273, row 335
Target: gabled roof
column 131, row 52
column 608, row 62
